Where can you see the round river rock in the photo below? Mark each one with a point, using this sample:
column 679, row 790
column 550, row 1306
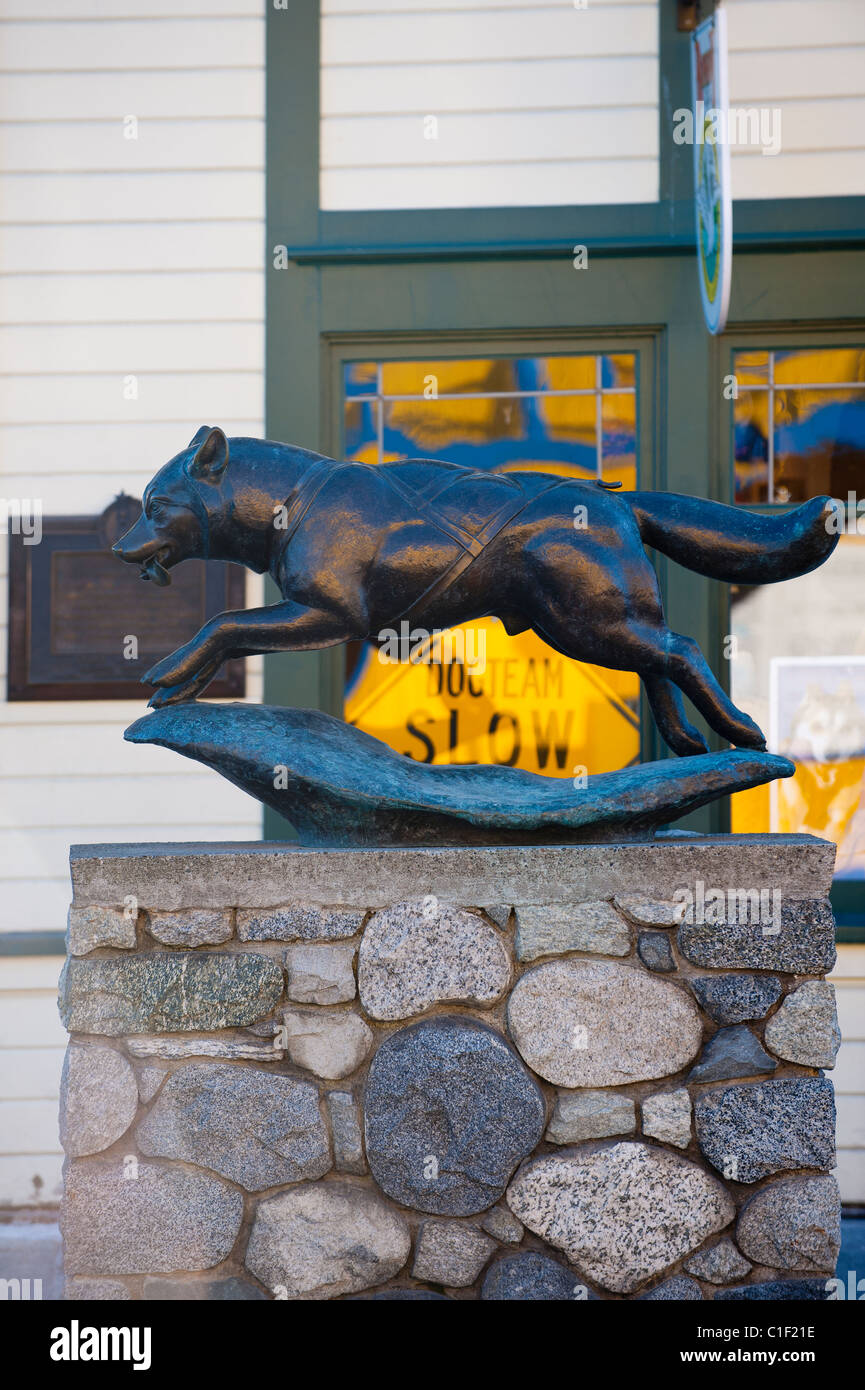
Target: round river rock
column 450, row 1111
column 595, row 1023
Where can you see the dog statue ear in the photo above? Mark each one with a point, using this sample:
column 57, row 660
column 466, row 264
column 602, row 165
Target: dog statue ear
column 199, row 435
column 211, row 460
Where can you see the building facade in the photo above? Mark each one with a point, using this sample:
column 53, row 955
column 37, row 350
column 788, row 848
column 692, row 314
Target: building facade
column 459, row 228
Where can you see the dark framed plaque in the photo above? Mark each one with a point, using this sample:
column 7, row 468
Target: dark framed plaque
column 83, row 626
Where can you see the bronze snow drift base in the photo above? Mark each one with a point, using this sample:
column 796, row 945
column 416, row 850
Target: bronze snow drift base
column 340, row 788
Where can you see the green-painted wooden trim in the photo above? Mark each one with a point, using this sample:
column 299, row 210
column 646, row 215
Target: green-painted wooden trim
column 793, row 224
column 848, row 904
column 292, row 120
column 32, row 943
column 291, row 296
column 675, row 162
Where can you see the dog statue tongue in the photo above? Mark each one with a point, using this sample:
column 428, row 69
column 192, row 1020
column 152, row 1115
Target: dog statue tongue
column 151, row 569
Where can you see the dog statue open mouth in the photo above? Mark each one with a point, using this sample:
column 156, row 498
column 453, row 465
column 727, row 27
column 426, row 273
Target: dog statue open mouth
column 152, row 569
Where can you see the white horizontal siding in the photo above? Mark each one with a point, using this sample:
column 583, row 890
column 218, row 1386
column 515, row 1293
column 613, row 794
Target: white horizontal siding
column 133, row 42
column 142, row 348
column 102, row 448
column 161, row 95
column 200, row 195
column 118, row 258
column 32, row 1046
column 100, row 146
column 848, row 1076
column 571, row 84
column 535, row 104
column 116, row 9
column 31, row 1180
column 144, row 297
column 808, row 62
column 101, row 250
column 98, row 397
column 36, row 904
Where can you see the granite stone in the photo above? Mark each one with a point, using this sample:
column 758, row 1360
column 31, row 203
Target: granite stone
column 530, row 1277
column 794, row 1224
column 502, row 1225
column 452, row 1253
column 732, row 1052
column 449, row 1112
column 667, row 1116
column 159, row 1220
column 255, row 1127
column 655, row 951
column 401, row 1296
column 230, row 1290
column 648, row 912
column 195, row 927
column 678, row 1289
column 500, row 913
column 664, row 1208
column 802, row 942
column 320, row 974
column 98, row 1098
column 553, row 929
column 167, row 992
column 260, row 874
column 96, row 1291
column 149, row 1081
column 595, row 1023
column 752, row 1131
column 719, row 1264
column 303, row 923
column 423, row 952
column 778, row 1291
column 244, row 1048
column 590, row 1115
column 805, row 1028
column 346, row 1127
column 321, row 1240
column 331, row 1045
column 90, row 927
column 736, row 998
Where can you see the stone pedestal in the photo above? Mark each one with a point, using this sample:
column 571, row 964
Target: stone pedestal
column 301, row 1074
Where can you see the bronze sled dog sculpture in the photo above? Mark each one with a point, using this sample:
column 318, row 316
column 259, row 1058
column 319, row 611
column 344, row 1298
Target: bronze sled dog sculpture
column 355, row 548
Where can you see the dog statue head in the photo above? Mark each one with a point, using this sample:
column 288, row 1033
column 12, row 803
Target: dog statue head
column 175, row 521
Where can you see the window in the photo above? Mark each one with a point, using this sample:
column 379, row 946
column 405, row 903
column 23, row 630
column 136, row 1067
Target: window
column 488, row 697
column 798, row 662
column 799, row 424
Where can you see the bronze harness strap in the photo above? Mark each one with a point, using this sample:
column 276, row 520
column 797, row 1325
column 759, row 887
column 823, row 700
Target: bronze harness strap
column 310, row 485
column 471, row 545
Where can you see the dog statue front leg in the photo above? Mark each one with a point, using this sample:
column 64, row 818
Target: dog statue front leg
column 281, row 627
column 186, row 690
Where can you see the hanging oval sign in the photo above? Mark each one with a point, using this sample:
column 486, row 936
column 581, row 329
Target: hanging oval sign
column 713, row 204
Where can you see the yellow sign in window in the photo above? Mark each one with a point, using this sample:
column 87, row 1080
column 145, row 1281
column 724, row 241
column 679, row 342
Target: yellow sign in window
column 476, row 694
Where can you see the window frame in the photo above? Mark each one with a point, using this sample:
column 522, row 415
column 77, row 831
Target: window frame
column 341, row 348
column 848, row 895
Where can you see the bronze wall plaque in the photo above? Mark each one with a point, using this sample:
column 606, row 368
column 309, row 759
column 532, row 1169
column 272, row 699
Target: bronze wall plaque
column 82, row 627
